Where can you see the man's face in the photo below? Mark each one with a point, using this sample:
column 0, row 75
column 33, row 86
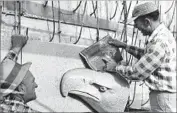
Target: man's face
column 140, row 25
column 30, row 84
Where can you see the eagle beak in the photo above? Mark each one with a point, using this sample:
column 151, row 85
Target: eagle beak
column 79, row 86
column 90, row 93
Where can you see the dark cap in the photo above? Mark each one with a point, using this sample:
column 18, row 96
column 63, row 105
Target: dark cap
column 142, row 9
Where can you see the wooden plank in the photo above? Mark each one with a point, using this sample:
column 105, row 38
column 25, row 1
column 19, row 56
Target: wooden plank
column 67, row 17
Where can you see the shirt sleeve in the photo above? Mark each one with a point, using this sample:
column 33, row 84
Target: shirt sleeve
column 146, row 65
column 135, row 51
column 11, row 55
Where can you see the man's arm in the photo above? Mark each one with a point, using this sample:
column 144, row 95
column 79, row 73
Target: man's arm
column 135, row 51
column 17, row 43
column 146, row 65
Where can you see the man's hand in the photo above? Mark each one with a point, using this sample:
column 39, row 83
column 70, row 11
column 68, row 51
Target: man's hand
column 18, row 42
column 110, row 64
column 117, row 43
column 121, row 69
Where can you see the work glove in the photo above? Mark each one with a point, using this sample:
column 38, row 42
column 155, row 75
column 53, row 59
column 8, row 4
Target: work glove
column 18, row 42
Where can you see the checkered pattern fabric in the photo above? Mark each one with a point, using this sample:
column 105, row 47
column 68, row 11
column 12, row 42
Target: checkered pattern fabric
column 157, row 63
column 11, row 55
column 14, row 105
column 135, row 51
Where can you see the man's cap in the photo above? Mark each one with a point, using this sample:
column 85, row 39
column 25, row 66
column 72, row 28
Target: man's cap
column 12, row 74
column 142, row 9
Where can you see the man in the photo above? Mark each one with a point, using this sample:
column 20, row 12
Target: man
column 17, row 82
column 156, row 64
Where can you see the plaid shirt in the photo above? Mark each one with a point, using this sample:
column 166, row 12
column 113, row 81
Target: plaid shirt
column 157, row 62
column 11, row 55
column 14, row 105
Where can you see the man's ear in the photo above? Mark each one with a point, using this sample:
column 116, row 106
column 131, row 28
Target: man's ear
column 147, row 22
column 21, row 88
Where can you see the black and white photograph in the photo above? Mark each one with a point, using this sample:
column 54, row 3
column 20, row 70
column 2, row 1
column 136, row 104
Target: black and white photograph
column 88, row 56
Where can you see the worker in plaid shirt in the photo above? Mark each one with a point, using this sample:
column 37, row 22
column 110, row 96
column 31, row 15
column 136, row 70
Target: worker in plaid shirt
column 17, row 84
column 156, row 64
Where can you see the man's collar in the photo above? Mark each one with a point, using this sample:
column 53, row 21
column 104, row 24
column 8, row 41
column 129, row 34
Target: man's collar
column 155, row 32
column 19, row 99
column 15, row 98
